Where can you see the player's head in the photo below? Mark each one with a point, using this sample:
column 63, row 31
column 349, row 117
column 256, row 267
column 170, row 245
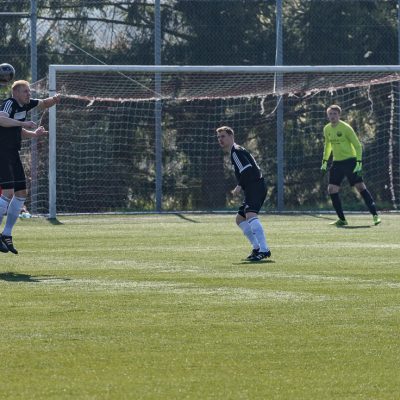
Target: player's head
column 333, row 113
column 21, row 92
column 226, row 137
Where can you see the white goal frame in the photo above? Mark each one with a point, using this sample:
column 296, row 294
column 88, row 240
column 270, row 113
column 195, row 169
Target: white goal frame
column 158, row 70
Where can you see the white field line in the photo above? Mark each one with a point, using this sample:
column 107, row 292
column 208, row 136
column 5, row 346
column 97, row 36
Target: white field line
column 217, row 248
column 391, row 310
column 175, row 288
column 352, row 244
column 204, row 272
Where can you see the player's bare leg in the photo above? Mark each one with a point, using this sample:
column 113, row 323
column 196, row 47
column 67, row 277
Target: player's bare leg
column 16, row 203
column 4, row 202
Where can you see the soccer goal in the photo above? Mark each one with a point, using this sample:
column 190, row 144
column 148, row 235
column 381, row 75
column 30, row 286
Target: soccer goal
column 142, row 138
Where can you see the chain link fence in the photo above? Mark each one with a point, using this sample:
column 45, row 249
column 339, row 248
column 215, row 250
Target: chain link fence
column 195, row 32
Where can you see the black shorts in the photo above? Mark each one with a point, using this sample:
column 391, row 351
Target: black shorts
column 12, row 175
column 254, row 197
column 341, row 169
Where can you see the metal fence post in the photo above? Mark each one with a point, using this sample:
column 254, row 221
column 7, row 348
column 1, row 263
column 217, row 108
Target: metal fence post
column 34, row 155
column 279, row 112
column 158, row 105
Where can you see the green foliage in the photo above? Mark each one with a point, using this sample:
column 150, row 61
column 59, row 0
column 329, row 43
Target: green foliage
column 340, row 32
column 227, row 33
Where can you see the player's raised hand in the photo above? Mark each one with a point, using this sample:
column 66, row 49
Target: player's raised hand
column 50, row 101
column 57, row 98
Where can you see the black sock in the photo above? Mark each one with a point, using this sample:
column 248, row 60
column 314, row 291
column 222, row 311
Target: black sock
column 337, row 205
column 369, row 201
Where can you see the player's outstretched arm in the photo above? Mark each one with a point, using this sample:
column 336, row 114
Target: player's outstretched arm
column 49, row 102
column 7, row 122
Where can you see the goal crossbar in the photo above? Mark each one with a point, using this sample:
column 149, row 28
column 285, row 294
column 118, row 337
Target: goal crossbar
column 224, row 68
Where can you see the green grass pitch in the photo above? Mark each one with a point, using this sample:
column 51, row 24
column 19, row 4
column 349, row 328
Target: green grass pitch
column 164, row 307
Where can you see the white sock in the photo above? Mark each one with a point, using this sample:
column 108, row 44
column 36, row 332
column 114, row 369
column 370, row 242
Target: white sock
column 245, row 227
column 14, row 209
column 258, row 231
column 4, row 202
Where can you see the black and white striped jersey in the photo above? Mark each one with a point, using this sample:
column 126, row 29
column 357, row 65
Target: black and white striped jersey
column 10, row 138
column 245, row 166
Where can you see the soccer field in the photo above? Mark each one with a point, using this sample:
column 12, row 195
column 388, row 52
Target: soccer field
column 164, row 307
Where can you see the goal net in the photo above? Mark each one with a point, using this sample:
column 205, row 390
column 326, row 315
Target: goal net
column 131, row 138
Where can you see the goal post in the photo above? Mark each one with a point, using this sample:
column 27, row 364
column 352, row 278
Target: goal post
column 109, row 159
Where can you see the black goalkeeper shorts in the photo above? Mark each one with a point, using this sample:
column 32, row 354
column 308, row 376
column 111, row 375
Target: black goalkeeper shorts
column 254, row 197
column 12, row 175
column 341, row 169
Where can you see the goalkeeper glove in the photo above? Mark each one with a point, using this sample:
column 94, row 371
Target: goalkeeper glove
column 324, row 166
column 358, row 168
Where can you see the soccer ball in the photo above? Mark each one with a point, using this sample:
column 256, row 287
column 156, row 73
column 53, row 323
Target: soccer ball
column 7, row 73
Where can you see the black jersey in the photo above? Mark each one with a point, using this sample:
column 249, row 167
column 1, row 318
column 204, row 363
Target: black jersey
column 246, row 168
column 10, row 138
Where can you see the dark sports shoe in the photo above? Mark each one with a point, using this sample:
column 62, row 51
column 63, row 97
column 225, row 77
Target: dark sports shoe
column 7, row 241
column 339, row 222
column 261, row 255
column 377, row 220
column 3, row 247
column 252, row 254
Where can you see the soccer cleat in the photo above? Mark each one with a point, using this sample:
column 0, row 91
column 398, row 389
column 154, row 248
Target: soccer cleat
column 7, row 241
column 253, row 253
column 3, row 247
column 260, row 256
column 339, row 222
column 377, row 220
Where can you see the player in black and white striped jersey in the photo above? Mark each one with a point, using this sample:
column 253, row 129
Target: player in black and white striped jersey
column 251, row 182
column 13, row 126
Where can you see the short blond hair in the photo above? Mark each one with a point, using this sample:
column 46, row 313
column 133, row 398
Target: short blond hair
column 334, row 107
column 19, row 83
column 226, row 129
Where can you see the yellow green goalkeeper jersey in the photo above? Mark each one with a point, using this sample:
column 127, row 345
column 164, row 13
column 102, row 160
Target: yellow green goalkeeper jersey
column 342, row 141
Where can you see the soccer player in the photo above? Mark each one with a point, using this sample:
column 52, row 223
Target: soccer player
column 13, row 127
column 251, row 182
column 342, row 142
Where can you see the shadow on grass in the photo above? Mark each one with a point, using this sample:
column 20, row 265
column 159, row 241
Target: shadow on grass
column 354, row 227
column 320, row 216
column 246, row 262
column 14, row 277
column 54, row 221
column 186, row 218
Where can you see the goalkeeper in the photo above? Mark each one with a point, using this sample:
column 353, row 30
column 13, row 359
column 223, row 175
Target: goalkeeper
column 342, row 142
